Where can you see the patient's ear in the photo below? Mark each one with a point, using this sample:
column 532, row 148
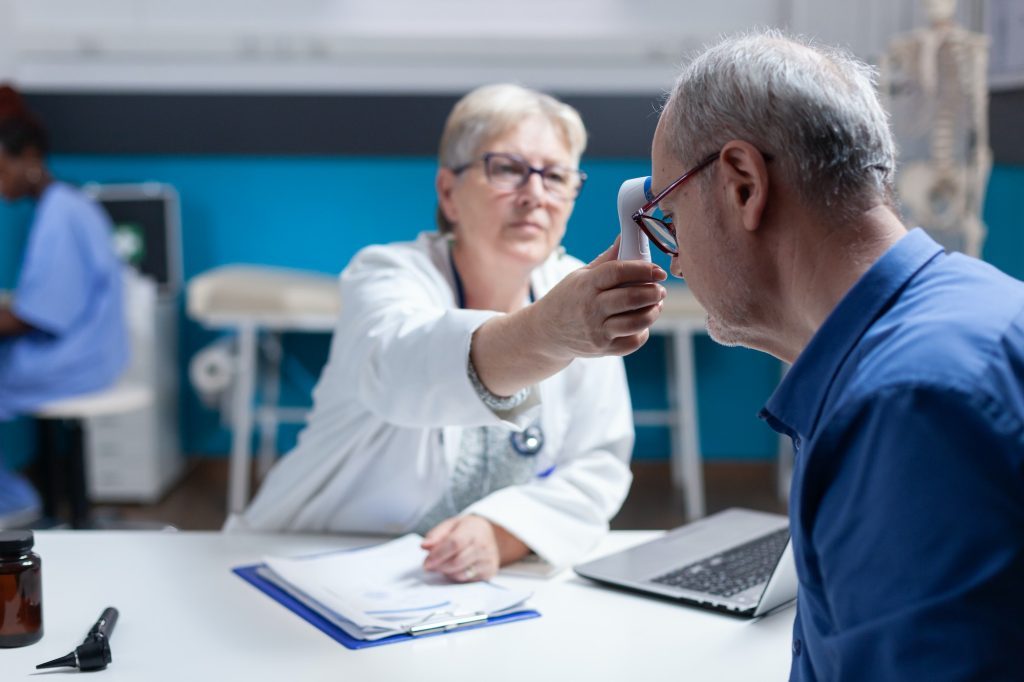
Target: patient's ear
column 444, row 183
column 745, row 173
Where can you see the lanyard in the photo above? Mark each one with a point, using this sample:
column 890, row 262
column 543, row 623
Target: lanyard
column 460, row 291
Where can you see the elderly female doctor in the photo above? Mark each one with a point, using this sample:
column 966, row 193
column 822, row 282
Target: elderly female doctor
column 471, row 393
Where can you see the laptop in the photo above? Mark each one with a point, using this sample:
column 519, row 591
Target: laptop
column 738, row 561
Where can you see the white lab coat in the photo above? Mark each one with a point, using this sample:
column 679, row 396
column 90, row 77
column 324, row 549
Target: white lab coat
column 393, row 399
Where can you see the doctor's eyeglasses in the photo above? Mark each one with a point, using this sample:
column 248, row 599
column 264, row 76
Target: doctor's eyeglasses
column 511, row 171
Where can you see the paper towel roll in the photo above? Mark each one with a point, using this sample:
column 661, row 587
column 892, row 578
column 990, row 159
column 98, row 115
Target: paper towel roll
column 212, row 370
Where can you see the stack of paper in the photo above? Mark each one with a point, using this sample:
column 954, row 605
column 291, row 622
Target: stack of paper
column 382, row 591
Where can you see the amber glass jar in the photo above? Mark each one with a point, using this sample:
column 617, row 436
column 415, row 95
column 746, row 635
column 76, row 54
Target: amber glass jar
column 21, row 589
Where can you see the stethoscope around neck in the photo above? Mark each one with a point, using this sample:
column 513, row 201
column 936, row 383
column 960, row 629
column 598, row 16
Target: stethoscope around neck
column 530, row 440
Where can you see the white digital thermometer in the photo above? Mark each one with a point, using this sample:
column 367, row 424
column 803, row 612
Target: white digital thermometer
column 633, row 244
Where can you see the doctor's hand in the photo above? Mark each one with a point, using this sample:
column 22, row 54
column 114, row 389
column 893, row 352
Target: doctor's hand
column 593, row 313
column 468, row 548
column 590, row 313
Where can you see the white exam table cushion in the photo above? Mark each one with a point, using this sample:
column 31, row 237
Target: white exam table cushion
column 261, row 290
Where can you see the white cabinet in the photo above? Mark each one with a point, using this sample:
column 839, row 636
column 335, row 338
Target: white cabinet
column 136, row 457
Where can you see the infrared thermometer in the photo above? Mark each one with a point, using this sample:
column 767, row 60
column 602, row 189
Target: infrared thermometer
column 633, row 244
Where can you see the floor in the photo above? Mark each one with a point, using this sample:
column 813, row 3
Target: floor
column 198, row 502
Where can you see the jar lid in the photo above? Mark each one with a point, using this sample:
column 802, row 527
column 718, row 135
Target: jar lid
column 16, row 541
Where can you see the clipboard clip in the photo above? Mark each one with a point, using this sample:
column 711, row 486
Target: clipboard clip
column 447, row 624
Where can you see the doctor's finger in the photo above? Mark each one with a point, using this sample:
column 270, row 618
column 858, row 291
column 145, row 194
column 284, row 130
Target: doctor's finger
column 438, row 533
column 630, row 298
column 633, row 322
column 466, row 566
column 446, row 548
column 616, row 273
column 629, row 344
column 439, row 555
column 624, row 345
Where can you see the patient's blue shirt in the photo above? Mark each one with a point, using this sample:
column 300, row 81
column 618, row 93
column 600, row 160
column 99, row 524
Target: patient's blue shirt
column 906, row 412
column 70, row 291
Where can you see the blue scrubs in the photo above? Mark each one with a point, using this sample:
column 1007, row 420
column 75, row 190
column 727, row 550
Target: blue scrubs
column 69, row 290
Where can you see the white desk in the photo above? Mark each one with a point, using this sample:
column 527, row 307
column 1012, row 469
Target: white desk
column 253, row 300
column 185, row 616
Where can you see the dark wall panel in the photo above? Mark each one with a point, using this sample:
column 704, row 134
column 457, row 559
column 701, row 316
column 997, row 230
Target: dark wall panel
column 620, row 126
column 1006, row 117
column 389, row 125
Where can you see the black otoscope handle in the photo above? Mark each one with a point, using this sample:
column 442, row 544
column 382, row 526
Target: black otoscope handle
column 105, row 625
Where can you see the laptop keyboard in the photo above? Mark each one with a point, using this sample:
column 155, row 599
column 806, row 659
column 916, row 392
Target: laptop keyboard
column 733, row 571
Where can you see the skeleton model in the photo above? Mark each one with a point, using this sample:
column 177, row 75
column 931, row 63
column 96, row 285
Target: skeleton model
column 934, row 82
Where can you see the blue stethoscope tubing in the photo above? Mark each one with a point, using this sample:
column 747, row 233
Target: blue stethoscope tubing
column 530, row 440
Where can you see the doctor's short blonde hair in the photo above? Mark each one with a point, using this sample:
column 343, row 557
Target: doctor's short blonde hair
column 492, row 110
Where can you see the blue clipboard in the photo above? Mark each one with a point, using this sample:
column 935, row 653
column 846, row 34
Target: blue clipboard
column 251, row 575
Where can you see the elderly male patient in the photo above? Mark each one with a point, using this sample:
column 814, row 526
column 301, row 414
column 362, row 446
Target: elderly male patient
column 774, row 165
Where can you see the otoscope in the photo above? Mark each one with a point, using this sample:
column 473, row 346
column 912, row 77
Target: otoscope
column 633, row 244
column 94, row 652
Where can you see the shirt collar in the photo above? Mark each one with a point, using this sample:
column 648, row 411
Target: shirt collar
column 796, row 404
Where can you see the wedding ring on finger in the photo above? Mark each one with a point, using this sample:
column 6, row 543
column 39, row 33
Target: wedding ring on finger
column 470, row 572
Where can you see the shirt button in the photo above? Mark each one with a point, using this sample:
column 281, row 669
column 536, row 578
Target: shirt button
column 797, row 646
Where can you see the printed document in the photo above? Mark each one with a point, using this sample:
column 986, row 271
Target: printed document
column 383, row 590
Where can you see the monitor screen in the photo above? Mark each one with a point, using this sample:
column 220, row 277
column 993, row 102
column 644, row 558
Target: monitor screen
column 142, row 235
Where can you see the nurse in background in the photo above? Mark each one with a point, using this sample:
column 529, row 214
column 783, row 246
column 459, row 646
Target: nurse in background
column 62, row 333
column 473, row 393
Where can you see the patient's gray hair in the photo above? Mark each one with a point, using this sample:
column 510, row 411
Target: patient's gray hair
column 493, row 110
column 814, row 109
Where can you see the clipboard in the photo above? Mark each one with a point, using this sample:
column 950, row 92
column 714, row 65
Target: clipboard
column 251, row 575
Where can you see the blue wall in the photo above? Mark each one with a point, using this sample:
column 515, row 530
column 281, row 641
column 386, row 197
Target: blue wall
column 315, row 213
column 1004, row 215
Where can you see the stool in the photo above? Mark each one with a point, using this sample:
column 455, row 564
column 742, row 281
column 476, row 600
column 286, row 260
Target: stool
column 60, row 442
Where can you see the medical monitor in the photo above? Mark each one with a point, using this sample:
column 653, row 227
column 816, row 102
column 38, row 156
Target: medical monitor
column 147, row 229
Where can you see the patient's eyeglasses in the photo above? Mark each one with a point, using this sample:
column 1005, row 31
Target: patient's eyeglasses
column 511, row 171
column 661, row 231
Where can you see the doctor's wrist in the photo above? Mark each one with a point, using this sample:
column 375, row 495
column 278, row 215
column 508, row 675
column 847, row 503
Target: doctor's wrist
column 512, row 352
column 492, row 400
column 541, row 336
column 510, row 548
